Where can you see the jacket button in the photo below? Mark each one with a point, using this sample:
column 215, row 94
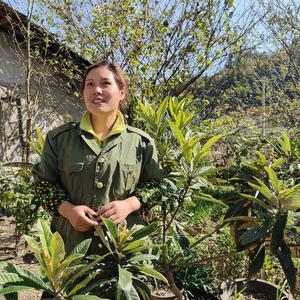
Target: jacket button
column 99, row 184
column 101, row 160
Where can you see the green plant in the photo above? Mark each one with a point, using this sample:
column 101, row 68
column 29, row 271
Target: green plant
column 128, row 263
column 38, row 145
column 259, row 214
column 57, row 272
column 186, row 158
column 17, row 197
column 118, row 274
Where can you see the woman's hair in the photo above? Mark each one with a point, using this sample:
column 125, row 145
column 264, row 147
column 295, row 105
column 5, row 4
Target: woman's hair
column 118, row 74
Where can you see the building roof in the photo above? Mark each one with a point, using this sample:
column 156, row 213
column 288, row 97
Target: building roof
column 14, row 22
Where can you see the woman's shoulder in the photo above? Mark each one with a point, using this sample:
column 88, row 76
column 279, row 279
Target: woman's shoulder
column 67, row 127
column 139, row 132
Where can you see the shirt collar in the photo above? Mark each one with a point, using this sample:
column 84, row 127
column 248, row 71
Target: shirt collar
column 118, row 127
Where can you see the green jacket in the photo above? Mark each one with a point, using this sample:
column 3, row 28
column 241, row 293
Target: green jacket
column 94, row 174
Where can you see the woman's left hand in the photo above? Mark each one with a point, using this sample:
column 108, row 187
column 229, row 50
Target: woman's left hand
column 118, row 210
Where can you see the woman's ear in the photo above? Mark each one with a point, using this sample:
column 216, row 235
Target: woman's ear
column 122, row 92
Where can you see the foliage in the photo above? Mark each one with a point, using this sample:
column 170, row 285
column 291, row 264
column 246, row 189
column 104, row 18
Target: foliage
column 267, row 195
column 57, row 272
column 118, row 273
column 38, row 145
column 184, row 154
column 164, row 47
column 17, row 198
column 128, row 262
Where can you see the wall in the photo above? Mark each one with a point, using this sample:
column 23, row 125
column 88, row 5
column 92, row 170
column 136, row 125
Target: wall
column 52, row 101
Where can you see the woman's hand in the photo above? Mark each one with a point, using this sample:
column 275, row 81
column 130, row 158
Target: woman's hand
column 118, row 210
column 77, row 215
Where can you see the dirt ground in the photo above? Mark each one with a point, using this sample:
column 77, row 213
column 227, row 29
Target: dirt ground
column 23, row 257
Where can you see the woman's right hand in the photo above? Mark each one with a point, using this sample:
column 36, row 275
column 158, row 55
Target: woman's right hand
column 77, row 215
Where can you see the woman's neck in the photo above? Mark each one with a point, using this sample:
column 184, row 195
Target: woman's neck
column 103, row 124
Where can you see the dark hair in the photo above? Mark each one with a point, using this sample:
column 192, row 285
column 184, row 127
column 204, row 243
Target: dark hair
column 118, row 74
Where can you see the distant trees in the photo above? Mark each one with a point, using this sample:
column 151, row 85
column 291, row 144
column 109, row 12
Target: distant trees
column 165, row 47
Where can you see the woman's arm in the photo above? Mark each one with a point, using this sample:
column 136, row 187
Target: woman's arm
column 56, row 202
column 52, row 196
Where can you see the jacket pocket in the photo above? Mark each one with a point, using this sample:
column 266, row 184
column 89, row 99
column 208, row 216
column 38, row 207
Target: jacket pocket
column 70, row 168
column 72, row 179
column 125, row 179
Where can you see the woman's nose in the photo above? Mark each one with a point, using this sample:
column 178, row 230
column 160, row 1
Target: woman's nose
column 98, row 90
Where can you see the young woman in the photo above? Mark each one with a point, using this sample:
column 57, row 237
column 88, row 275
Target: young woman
column 99, row 166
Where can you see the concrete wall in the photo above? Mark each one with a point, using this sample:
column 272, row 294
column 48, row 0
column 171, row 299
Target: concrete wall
column 51, row 99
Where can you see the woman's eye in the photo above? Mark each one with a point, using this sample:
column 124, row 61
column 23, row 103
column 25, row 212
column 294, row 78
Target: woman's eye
column 89, row 84
column 106, row 83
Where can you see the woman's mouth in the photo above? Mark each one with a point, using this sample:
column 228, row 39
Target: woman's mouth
column 98, row 101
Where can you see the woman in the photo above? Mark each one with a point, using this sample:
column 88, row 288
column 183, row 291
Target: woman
column 99, row 166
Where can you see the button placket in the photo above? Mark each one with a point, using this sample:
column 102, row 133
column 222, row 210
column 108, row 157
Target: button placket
column 101, row 160
column 99, row 184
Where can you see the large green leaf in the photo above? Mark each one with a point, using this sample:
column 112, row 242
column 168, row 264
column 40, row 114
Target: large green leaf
column 9, row 278
column 262, row 158
column 255, row 200
column 208, row 198
column 292, row 203
column 125, row 279
column 145, row 231
column 67, row 263
column 87, row 297
column 132, row 294
column 135, row 244
column 83, row 271
column 278, row 162
column 284, row 255
column 45, row 235
column 14, row 288
column 210, row 142
column 81, row 248
column 278, row 231
column 144, row 248
column 124, row 236
column 57, row 251
column 264, row 191
column 142, row 257
column 177, row 133
column 161, row 111
column 255, row 234
column 29, row 279
column 151, row 272
column 256, row 259
column 287, row 143
column 33, row 244
column 64, row 272
column 273, row 178
column 83, row 283
column 100, row 233
column 112, row 229
column 142, row 288
column 181, row 238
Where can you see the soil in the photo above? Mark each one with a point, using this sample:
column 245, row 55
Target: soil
column 23, row 257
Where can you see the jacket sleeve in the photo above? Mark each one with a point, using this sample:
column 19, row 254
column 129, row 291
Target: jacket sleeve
column 148, row 190
column 50, row 195
column 47, row 168
column 46, row 179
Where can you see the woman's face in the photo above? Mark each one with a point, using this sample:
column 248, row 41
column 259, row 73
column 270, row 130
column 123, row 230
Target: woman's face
column 101, row 93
